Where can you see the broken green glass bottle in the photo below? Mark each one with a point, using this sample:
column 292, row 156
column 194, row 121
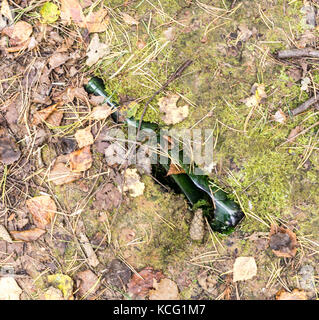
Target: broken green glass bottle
column 222, row 213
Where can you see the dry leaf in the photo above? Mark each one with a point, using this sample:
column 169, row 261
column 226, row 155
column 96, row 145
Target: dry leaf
column 88, row 283
column 244, row 33
column 57, row 59
column 132, row 183
column 43, row 210
column 18, row 33
column 61, row 174
column 93, row 261
column 6, row 11
column 4, row 234
column 43, row 114
column 166, row 289
column 279, row 116
column 9, row 289
column 96, row 50
column 72, row 10
column 81, row 160
column 258, row 96
column 173, row 114
column 283, row 242
column 244, row 268
column 27, row 235
column 107, row 197
column 295, row 294
column 129, row 20
column 63, row 283
column 293, row 133
column 97, row 21
column 70, row 93
column 53, row 294
column 84, row 137
column 140, row 287
column 9, row 151
column 101, row 112
column 174, row 169
column 55, row 118
column 117, row 274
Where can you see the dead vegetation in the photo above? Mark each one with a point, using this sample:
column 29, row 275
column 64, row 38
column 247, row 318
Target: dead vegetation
column 73, row 225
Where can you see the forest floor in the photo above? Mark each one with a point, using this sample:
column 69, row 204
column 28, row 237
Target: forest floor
column 68, row 228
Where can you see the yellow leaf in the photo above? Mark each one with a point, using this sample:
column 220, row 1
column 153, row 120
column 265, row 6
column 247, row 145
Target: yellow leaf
column 63, row 283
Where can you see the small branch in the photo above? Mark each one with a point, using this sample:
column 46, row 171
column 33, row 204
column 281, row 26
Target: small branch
column 177, row 74
column 298, row 53
column 307, row 104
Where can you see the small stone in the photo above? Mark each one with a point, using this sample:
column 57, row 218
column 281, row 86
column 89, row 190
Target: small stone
column 307, row 279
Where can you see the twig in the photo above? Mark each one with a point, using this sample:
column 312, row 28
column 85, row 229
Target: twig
column 172, row 77
column 298, row 53
column 307, row 104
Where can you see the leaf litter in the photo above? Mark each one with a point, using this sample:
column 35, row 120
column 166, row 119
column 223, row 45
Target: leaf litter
column 50, row 81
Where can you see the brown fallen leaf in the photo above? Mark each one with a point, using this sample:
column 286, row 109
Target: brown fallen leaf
column 20, row 47
column 88, row 283
column 282, row 241
column 140, row 287
column 43, row 210
column 174, row 169
column 166, row 289
column 81, row 160
column 61, row 174
column 96, row 50
column 55, row 118
column 27, row 235
column 244, row 268
column 101, row 112
column 172, row 113
column 4, row 234
column 107, row 197
column 43, row 114
column 84, row 137
column 70, row 93
column 9, row 151
column 18, row 33
column 117, row 274
column 97, row 21
column 129, row 19
column 92, row 259
column 293, row 133
column 295, row 294
column 71, row 10
column 57, row 59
